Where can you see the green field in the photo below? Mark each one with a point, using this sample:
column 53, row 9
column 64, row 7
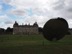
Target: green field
column 34, row 44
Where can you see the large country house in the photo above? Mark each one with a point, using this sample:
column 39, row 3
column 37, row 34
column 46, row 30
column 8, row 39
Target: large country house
column 25, row 29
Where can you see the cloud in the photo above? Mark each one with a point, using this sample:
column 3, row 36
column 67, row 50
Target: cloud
column 6, row 26
column 17, row 12
column 8, row 22
column 59, row 5
column 0, row 7
column 7, row 1
column 3, row 17
column 5, row 21
column 41, row 20
column 29, row 11
column 42, row 10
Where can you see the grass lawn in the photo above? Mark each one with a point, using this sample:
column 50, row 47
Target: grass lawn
column 34, row 44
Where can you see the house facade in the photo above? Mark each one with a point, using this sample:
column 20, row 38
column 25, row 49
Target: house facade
column 25, row 29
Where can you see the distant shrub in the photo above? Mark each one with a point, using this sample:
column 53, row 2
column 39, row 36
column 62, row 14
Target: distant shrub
column 55, row 29
column 40, row 30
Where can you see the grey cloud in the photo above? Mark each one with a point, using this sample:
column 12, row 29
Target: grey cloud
column 63, row 8
column 7, row 1
column 69, row 9
column 41, row 12
column 18, row 12
column 8, row 22
column 59, row 5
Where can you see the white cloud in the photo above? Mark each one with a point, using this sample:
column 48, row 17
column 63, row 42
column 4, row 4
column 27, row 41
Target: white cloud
column 40, row 10
column 3, row 17
column 5, row 21
column 6, row 26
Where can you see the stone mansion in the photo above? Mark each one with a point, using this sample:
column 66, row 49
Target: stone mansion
column 25, row 29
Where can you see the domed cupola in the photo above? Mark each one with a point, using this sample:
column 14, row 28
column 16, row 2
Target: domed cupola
column 15, row 24
column 35, row 24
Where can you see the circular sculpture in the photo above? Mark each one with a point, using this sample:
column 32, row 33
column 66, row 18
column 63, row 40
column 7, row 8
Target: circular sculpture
column 55, row 29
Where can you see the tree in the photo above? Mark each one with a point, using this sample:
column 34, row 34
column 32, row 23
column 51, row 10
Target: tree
column 40, row 30
column 9, row 30
column 2, row 31
column 55, row 29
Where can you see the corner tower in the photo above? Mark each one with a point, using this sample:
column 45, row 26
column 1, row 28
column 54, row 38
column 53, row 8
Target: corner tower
column 35, row 24
column 15, row 24
column 15, row 28
column 35, row 28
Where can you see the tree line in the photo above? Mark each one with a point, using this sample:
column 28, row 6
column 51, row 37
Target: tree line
column 10, row 30
column 6, row 31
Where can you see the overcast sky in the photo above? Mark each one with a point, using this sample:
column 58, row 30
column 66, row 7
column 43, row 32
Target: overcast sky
column 30, row 11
